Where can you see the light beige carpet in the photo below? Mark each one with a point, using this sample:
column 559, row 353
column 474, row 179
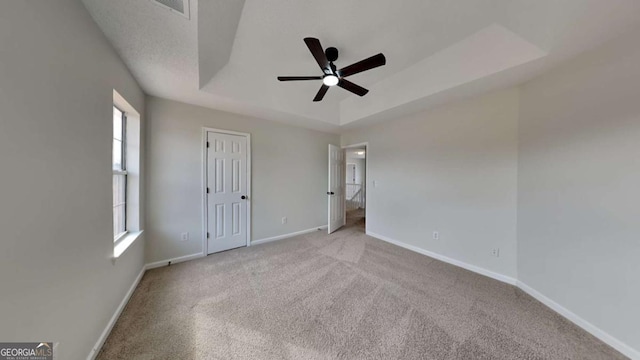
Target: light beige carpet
column 343, row 296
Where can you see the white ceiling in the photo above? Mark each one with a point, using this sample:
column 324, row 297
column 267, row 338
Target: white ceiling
column 228, row 54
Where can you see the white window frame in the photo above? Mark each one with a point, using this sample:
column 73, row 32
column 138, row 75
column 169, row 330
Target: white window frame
column 122, row 172
column 131, row 168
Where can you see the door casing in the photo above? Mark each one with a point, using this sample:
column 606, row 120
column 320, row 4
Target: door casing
column 205, row 211
column 367, row 150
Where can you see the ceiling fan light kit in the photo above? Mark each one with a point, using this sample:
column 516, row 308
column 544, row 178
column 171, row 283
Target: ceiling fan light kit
column 330, row 80
column 332, row 76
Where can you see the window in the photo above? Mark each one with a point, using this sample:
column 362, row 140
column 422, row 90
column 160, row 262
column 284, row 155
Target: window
column 126, row 183
column 119, row 165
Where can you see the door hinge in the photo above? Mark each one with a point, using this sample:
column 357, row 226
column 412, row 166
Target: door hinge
column 207, row 235
column 207, row 190
column 207, row 144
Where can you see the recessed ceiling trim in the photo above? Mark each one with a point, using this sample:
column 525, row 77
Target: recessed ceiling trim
column 180, row 7
column 229, row 59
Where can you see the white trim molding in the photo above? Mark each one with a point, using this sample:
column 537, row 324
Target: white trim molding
column 105, row 333
column 205, row 215
column 464, row 265
column 577, row 320
column 367, row 158
column 125, row 242
column 290, row 235
column 205, row 131
column 584, row 324
column 172, row 261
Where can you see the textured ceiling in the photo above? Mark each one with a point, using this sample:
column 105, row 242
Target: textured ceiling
column 228, row 54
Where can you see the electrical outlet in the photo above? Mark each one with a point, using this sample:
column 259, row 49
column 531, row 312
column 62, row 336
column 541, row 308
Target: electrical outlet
column 436, row 235
column 284, row 220
column 184, row 236
column 495, row 252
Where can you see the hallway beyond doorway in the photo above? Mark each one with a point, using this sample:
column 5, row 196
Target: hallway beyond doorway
column 356, row 219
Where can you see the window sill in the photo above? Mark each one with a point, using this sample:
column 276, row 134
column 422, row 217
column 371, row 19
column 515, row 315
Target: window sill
column 124, row 243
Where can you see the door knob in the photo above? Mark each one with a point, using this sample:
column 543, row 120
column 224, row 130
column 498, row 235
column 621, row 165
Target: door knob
column 330, row 193
column 243, row 197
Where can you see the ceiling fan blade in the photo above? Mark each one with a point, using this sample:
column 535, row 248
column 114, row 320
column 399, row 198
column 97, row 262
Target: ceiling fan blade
column 349, row 86
column 318, row 52
column 321, row 92
column 364, row 65
column 296, row 78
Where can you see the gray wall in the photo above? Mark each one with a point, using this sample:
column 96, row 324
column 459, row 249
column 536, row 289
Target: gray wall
column 289, row 175
column 57, row 74
column 452, row 170
column 579, row 187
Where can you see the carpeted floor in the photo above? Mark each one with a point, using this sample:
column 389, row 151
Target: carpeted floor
column 342, row 296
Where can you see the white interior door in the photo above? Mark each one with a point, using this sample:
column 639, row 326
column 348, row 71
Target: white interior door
column 227, row 185
column 336, row 188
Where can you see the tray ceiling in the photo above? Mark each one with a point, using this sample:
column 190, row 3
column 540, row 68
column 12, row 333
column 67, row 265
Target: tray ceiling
column 228, row 54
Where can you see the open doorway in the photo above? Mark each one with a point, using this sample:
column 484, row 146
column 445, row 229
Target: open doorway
column 356, row 185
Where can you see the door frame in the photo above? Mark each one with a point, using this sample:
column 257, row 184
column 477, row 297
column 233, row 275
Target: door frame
column 366, row 171
column 205, row 211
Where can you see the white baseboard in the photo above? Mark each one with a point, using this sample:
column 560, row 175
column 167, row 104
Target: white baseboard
column 166, row 262
column 584, row 324
column 105, row 334
column 474, row 268
column 286, row 236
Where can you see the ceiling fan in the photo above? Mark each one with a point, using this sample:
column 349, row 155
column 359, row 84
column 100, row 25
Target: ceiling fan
column 332, row 77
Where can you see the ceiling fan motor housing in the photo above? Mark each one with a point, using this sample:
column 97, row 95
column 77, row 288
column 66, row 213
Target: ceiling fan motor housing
column 331, row 53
